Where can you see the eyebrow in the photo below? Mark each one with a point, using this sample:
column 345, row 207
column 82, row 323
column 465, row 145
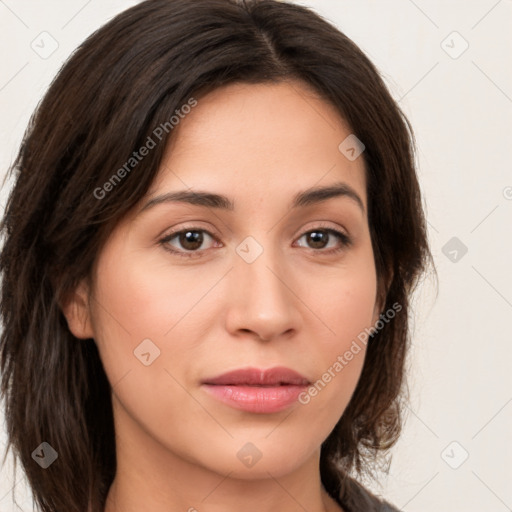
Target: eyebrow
column 304, row 198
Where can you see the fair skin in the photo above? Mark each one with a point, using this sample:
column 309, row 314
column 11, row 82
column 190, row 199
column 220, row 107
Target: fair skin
column 295, row 305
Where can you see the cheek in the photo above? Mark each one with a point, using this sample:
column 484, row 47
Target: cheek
column 142, row 308
column 142, row 298
column 345, row 301
column 345, row 304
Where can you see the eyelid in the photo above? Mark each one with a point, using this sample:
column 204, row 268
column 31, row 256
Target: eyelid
column 190, row 226
column 322, row 224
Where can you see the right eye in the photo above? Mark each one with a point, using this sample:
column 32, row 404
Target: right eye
column 191, row 239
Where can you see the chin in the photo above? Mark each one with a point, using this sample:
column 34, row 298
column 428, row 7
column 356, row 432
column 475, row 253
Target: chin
column 252, row 460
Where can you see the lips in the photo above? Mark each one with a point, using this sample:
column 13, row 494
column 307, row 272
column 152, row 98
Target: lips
column 255, row 390
column 255, row 377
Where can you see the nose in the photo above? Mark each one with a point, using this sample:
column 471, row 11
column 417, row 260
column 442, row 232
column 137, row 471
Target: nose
column 261, row 300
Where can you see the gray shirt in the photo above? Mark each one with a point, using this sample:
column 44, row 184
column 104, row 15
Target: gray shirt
column 359, row 499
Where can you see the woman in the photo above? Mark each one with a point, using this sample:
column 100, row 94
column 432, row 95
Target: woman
column 210, row 247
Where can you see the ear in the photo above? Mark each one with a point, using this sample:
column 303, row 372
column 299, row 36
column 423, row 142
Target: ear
column 77, row 312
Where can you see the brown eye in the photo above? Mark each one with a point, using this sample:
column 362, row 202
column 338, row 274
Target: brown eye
column 191, row 240
column 186, row 241
column 320, row 238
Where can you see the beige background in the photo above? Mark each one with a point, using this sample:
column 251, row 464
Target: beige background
column 460, row 105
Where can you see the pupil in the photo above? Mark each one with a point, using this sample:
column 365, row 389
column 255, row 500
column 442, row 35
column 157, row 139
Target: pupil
column 191, row 239
column 317, row 238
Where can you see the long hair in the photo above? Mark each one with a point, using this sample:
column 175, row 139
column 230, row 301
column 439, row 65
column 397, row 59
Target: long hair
column 125, row 79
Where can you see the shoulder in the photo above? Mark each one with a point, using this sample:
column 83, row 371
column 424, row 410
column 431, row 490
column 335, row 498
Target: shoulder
column 359, row 499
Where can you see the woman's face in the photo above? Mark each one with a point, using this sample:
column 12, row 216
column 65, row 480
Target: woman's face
column 262, row 284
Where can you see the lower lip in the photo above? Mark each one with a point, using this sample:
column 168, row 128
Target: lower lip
column 257, row 399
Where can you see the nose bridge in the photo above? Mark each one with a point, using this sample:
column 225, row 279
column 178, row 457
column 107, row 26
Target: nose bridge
column 261, row 299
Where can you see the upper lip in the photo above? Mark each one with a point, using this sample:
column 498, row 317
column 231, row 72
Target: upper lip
column 279, row 375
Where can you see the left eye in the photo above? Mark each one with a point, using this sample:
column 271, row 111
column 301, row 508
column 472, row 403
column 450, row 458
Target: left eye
column 320, row 237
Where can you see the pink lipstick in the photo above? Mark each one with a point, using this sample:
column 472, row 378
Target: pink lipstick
column 257, row 390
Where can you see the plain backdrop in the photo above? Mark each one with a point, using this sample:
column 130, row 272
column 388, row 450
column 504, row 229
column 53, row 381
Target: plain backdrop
column 448, row 66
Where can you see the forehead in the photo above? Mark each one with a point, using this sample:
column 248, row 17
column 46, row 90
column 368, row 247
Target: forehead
column 261, row 139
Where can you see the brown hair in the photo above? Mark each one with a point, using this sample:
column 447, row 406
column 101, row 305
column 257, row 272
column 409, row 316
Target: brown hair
column 127, row 78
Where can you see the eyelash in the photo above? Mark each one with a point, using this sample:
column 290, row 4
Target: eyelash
column 346, row 241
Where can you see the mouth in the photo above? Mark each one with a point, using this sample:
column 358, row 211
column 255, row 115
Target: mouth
column 256, row 390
